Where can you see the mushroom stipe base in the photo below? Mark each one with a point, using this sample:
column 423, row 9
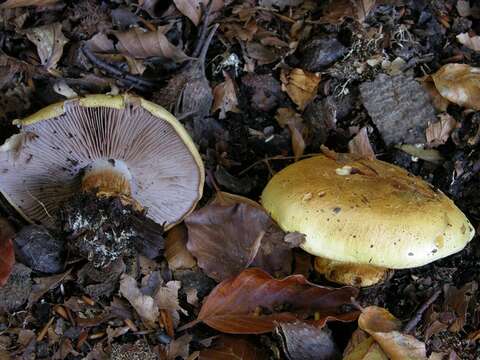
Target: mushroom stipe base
column 351, row 274
column 105, row 228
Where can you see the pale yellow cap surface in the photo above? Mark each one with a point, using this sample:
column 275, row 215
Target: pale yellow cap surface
column 366, row 212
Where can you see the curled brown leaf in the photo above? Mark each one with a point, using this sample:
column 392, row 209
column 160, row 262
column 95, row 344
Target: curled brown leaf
column 439, row 132
column 233, row 348
column 49, row 41
column 7, row 255
column 253, row 302
column 300, row 85
column 233, row 233
column 225, row 97
column 385, row 330
column 460, row 84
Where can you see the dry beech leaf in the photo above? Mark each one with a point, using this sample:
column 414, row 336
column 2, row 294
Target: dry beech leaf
column 152, row 298
column 179, row 348
column 176, row 252
column 302, row 341
column 439, row 132
column 294, row 121
column 300, row 85
column 471, row 42
column 463, row 8
column 233, row 233
column 44, row 284
column 385, row 330
column 140, row 45
column 458, row 301
column 253, row 302
column 225, row 97
column 460, row 84
column 360, row 145
column 11, row 4
column 363, row 347
column 49, row 41
column 438, row 101
column 228, row 347
column 193, row 10
column 336, row 11
column 7, row 254
column 143, row 304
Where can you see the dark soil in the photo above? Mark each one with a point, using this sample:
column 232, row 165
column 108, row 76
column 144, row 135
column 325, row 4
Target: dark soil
column 242, row 151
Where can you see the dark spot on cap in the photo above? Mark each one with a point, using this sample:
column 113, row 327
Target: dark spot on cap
column 434, row 251
column 112, row 161
column 410, row 254
column 336, row 210
column 371, row 246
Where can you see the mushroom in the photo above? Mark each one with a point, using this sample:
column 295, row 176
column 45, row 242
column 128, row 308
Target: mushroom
column 363, row 217
column 128, row 156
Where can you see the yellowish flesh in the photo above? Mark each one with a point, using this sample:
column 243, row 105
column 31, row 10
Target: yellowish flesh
column 350, row 274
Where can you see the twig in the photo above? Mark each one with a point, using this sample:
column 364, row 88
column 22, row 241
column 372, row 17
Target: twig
column 276, row 157
column 203, row 31
column 131, row 80
column 412, row 324
column 203, row 53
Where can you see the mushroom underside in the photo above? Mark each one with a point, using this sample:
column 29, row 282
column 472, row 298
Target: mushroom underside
column 51, row 156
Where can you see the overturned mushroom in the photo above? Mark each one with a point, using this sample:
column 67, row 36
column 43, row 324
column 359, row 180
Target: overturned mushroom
column 130, row 158
column 362, row 217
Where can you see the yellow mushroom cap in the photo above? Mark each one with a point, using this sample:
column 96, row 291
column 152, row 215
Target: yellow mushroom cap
column 365, row 212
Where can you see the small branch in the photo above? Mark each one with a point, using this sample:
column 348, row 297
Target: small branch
column 412, row 324
column 206, row 45
column 131, row 80
column 203, row 31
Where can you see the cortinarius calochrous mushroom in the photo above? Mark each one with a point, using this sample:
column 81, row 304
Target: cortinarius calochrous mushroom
column 127, row 155
column 362, row 217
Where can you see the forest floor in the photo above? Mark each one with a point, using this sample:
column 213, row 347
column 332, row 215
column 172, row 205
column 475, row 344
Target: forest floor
column 258, row 84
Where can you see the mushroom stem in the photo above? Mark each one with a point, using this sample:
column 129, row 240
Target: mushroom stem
column 107, row 178
column 359, row 275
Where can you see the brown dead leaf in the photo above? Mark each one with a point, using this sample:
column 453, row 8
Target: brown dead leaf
column 471, row 42
column 44, row 284
column 363, row 347
column 385, row 329
column 193, row 10
column 143, row 304
column 49, row 41
column 294, row 121
column 302, row 341
column 176, row 252
column 12, row 4
column 179, row 347
column 458, row 301
column 336, row 11
column 153, row 298
column 463, row 8
column 438, row 101
column 225, row 97
column 233, row 233
column 252, row 302
column 7, row 254
column 459, row 83
column 300, row 85
column 141, row 45
column 261, row 53
column 360, row 145
column 233, row 348
column 439, row 132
